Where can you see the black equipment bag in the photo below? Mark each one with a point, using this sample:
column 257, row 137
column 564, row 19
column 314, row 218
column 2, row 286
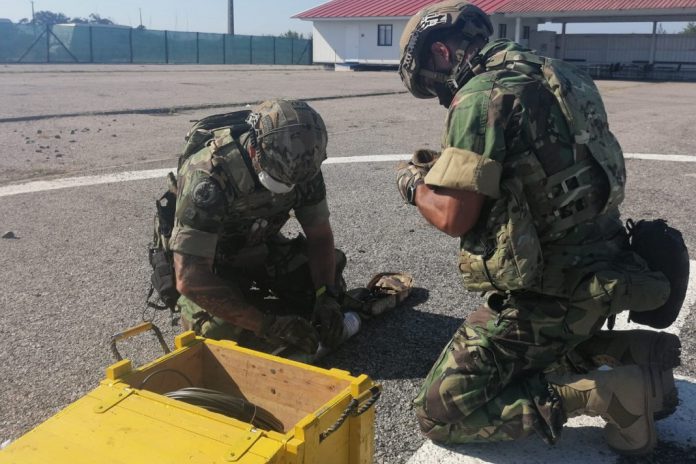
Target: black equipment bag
column 663, row 248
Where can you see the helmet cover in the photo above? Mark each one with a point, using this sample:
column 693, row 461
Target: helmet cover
column 290, row 140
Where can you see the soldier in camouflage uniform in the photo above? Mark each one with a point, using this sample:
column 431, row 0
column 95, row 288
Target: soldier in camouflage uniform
column 530, row 178
column 234, row 196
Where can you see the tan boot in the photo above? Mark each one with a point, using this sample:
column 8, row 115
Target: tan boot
column 621, row 396
column 659, row 351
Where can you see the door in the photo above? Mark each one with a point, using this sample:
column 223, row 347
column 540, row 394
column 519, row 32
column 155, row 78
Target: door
column 352, row 42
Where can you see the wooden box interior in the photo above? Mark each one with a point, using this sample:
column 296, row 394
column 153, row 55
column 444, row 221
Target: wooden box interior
column 288, row 392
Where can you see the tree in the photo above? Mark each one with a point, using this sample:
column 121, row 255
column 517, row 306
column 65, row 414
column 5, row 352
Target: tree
column 689, row 29
column 292, row 35
column 95, row 18
column 49, row 18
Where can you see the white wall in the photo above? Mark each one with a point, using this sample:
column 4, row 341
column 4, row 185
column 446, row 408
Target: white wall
column 355, row 40
column 626, row 48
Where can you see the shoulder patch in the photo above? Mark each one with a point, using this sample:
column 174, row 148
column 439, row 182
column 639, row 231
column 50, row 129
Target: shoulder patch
column 207, row 193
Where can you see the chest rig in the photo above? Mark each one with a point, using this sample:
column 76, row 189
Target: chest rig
column 253, row 214
column 540, row 205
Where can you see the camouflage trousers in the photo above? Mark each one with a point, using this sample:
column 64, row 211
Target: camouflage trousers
column 488, row 383
column 275, row 277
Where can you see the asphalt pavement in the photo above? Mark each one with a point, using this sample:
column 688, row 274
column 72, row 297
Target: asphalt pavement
column 77, row 270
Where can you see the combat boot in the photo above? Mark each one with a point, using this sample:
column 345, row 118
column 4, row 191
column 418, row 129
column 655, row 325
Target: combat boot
column 659, row 351
column 621, row 396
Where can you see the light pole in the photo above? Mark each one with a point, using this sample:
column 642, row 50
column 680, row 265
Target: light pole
column 32, row 12
column 230, row 17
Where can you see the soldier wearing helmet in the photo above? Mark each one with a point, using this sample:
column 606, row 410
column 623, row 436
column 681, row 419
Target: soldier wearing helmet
column 530, row 179
column 234, row 196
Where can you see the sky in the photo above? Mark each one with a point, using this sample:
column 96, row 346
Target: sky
column 252, row 17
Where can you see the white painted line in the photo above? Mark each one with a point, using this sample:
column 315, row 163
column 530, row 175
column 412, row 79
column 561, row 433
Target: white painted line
column 44, row 185
column 366, row 159
column 69, row 182
column 582, row 440
column 648, row 156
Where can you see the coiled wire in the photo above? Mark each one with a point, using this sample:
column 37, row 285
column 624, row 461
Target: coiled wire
column 227, row 405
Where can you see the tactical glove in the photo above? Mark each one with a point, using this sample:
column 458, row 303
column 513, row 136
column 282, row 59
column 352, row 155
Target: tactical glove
column 407, row 179
column 424, row 158
column 291, row 330
column 328, row 315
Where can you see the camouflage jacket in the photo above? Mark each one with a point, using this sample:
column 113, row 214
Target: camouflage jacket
column 221, row 208
column 506, row 134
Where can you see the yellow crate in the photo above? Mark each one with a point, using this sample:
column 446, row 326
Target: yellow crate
column 122, row 421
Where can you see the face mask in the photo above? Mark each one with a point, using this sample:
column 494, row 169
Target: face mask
column 273, row 185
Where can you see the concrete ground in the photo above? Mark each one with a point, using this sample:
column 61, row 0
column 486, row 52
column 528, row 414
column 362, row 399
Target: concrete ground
column 77, row 271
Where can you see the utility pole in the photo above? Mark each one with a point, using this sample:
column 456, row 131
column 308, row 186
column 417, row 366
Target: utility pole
column 230, row 17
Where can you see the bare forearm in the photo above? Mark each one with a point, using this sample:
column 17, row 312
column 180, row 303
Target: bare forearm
column 454, row 212
column 197, row 282
column 322, row 258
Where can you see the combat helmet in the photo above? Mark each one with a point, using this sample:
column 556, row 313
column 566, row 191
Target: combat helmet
column 468, row 19
column 290, row 141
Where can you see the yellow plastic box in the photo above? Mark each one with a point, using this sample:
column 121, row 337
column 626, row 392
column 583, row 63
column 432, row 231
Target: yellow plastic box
column 123, row 421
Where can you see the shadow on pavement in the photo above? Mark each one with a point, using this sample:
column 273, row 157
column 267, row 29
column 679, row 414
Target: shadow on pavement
column 401, row 344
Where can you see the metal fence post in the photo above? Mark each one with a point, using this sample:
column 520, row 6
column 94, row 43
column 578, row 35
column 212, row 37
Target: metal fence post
column 130, row 43
column 166, row 48
column 251, row 50
column 224, row 50
column 48, row 44
column 91, row 46
column 292, row 51
column 198, row 48
column 274, row 50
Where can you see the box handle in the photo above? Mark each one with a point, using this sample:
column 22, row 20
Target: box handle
column 354, row 408
column 133, row 331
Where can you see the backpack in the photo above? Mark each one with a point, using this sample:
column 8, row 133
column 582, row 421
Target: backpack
column 162, row 278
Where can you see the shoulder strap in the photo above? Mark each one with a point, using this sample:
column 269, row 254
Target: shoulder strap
column 203, row 130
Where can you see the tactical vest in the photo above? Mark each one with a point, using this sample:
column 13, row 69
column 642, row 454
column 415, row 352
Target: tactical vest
column 253, row 214
column 537, row 208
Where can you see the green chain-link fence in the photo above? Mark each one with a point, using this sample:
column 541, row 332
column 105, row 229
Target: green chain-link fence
column 21, row 43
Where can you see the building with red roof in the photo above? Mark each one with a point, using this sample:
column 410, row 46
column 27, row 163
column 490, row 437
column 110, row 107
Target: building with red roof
column 367, row 32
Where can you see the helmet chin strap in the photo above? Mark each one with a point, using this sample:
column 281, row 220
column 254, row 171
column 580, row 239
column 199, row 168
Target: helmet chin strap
column 445, row 86
column 465, row 68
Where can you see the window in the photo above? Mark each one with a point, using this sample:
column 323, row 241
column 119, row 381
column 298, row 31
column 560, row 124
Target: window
column 502, row 31
column 525, row 32
column 384, row 35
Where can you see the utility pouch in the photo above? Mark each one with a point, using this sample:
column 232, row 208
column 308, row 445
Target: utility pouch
column 513, row 261
column 663, row 248
column 162, row 279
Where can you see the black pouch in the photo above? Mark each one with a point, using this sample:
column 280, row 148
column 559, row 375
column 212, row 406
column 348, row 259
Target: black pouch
column 162, row 279
column 663, row 248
